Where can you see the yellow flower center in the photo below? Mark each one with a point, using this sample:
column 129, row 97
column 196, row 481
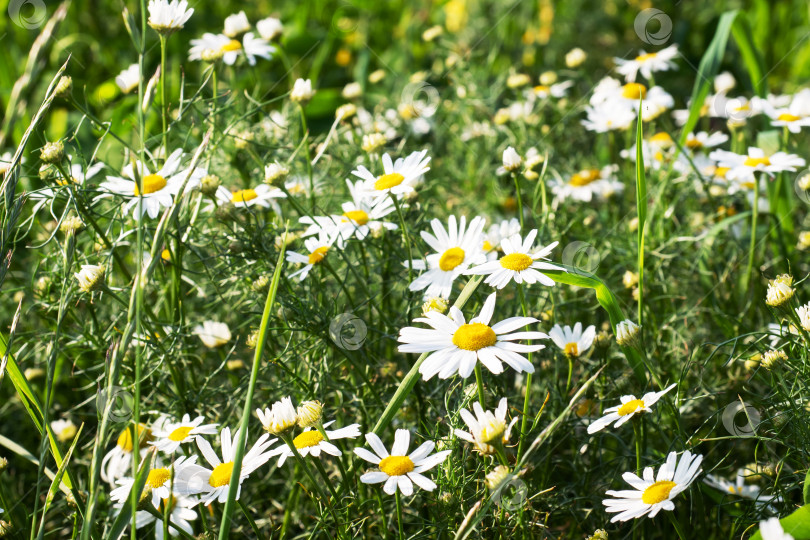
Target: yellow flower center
column 387, row 181
column 358, row 216
column 756, row 161
column 232, row 45
column 734, row 489
column 243, row 195
column 488, row 245
column 661, row 139
column 180, row 433
column 307, row 439
column 166, row 255
column 630, row 407
column 451, row 258
column 396, row 465
column 721, row 171
column 516, row 261
column 694, row 144
column 585, row 177
column 542, row 89
column 221, row 475
column 158, row 477
column 318, row 255
column 634, row 91
column 125, row 438
column 475, row 336
column 571, row 349
column 645, row 57
column 657, row 492
column 787, row 117
column 151, row 183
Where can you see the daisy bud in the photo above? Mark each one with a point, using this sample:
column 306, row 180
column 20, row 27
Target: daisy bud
column 64, row 87
column 548, row 78
column 269, row 28
column 373, row 142
column 575, row 58
column 275, row 172
column 511, row 159
column 52, row 152
column 234, row 365
column 496, row 476
column 603, row 340
column 71, row 225
column 627, row 333
column 599, row 534
column 630, row 279
column 302, row 91
column 3, row 463
column 309, row 414
column 529, row 174
column 211, row 55
column 432, row 33
column 780, row 290
column 773, row 357
column 346, row 111
column 434, row 303
column 753, row 362
column 90, row 277
column 376, row 76
column 724, row 82
column 353, row 90
column 209, row 185
column 31, row 374
column 260, row 284
column 517, row 80
column 633, row 224
column 446, row 497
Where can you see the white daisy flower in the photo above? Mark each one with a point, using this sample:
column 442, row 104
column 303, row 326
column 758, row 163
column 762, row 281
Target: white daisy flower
column 606, row 118
column 647, row 63
column 166, row 17
column 486, row 427
column 457, row 346
column 558, row 90
column 771, row 529
column 299, row 185
column 64, row 430
column 495, row 234
column 261, row 195
column 399, row 177
column 456, row 249
column 629, row 407
column 610, row 95
column 586, row 184
column 302, row 91
column 317, row 249
column 652, row 494
column 128, row 79
column 803, row 312
column 281, row 418
column 213, row 334
column 700, row 141
column 116, row 462
column 213, row 484
column 400, row 470
column 159, row 188
column 743, row 167
column 269, row 28
column 236, row 24
column 519, row 263
column 180, row 513
column 739, row 488
column 158, row 481
column 795, row 116
column 212, row 45
column 573, row 342
column 312, row 442
column 171, row 435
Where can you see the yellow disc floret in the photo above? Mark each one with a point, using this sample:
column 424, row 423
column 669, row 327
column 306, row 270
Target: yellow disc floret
column 221, row 475
column 658, row 492
column 151, row 183
column 474, row 336
column 630, row 407
column 396, row 465
column 388, row 181
column 307, row 439
column 451, row 258
column 516, row 261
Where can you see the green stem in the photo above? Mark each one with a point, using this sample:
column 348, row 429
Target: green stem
column 247, row 515
column 405, row 236
column 637, row 436
column 399, row 516
column 753, row 243
column 479, row 381
column 164, row 111
column 524, row 421
column 519, row 198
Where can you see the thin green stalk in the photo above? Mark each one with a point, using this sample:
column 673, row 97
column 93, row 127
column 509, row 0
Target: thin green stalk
column 405, row 236
column 638, row 439
column 524, row 421
column 753, row 243
column 252, row 523
column 479, row 381
column 164, row 110
column 382, row 511
column 305, row 136
column 519, row 198
column 399, row 516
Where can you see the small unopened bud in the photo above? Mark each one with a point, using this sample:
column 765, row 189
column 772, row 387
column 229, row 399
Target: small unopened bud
column 309, row 414
column 275, row 172
column 252, row 339
column 71, row 225
column 627, row 333
column 64, row 87
column 518, row 80
column 346, row 111
column 548, row 78
column 773, row 357
column 353, row 90
column 260, row 284
column 496, row 476
column 599, row 534
column 432, row 33
column 434, row 303
column 575, row 57
column 376, row 76
column 91, row 277
column 234, row 365
column 52, row 152
column 630, row 279
column 209, row 184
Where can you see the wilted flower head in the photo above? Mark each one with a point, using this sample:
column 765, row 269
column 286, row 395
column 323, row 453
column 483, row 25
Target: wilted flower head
column 279, row 419
column 90, row 277
column 780, row 290
column 309, row 413
column 52, row 152
column 773, row 357
column 275, row 172
column 627, row 333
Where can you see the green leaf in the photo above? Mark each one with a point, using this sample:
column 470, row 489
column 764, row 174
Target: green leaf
column 796, row 524
column 806, row 491
column 744, row 38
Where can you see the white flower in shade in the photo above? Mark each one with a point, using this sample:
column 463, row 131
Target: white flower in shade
column 456, row 249
column 236, row 24
column 181, row 512
column 724, row 82
column 269, row 28
column 739, row 488
column 557, row 90
column 166, row 17
column 90, row 277
column 610, row 96
column 170, row 435
column 361, row 216
column 803, row 312
column 511, row 159
column 281, row 418
column 212, row 46
column 573, row 342
column 400, row 469
column 158, row 482
column 520, row 263
column 586, row 184
column 795, row 116
column 743, row 167
column 116, row 462
column 457, row 346
column 213, row 334
column 64, row 430
column 399, row 177
column 700, row 141
column 316, row 251
column 159, row 188
column 213, row 484
column 651, row 494
column 261, row 195
column 302, row 91
column 128, row 79
column 486, row 428
column 78, row 174
column 630, row 406
column 627, row 333
column 495, row 234
column 771, row 529
column 780, row 290
column 647, row 63
column 312, row 442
